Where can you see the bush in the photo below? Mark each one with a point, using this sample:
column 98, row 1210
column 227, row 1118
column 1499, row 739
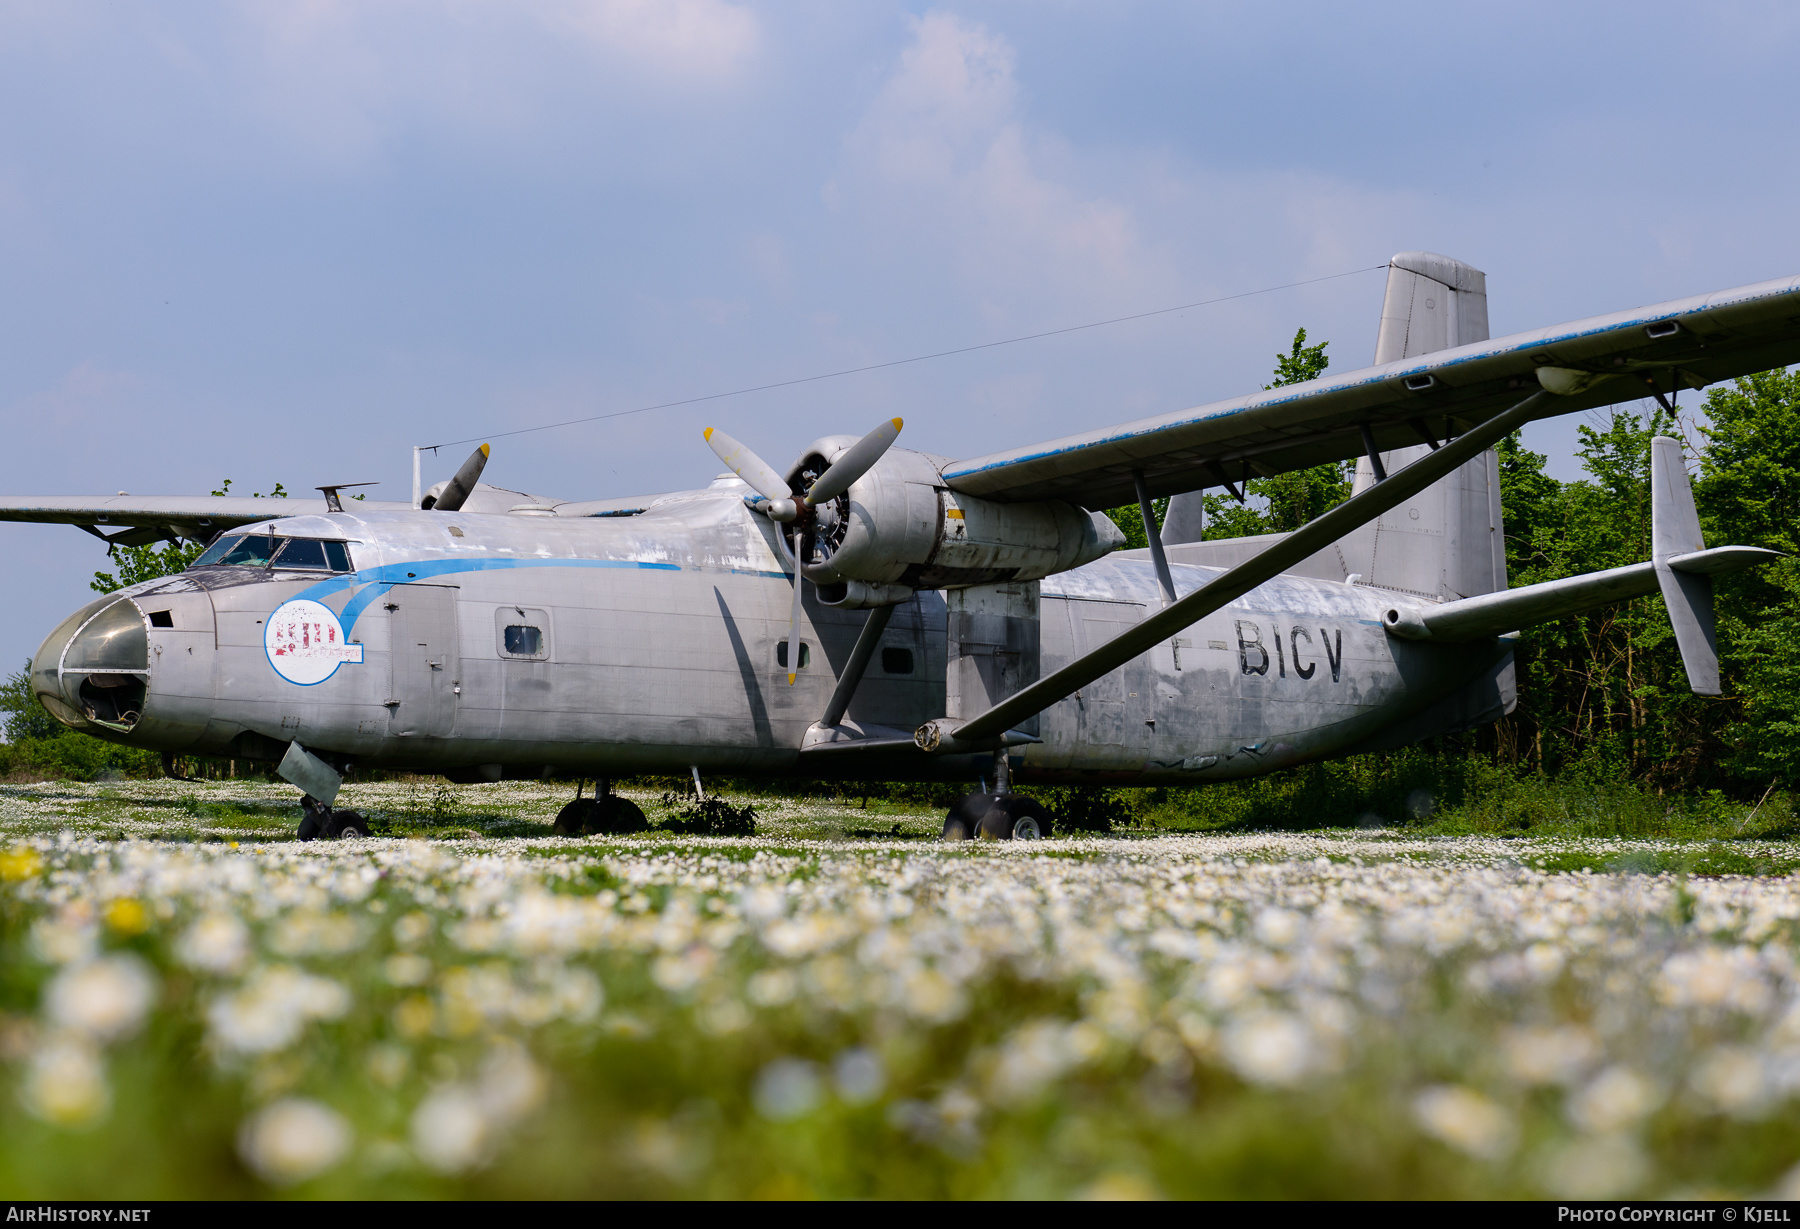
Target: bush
column 714, row 816
column 72, row 756
column 1084, row 808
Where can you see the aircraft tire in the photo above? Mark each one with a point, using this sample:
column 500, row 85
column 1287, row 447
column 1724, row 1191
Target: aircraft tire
column 345, row 826
column 1010, row 816
column 621, row 818
column 963, row 821
column 578, row 817
column 1029, row 811
column 309, row 826
column 997, row 824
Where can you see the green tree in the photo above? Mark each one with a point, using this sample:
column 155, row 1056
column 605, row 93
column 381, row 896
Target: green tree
column 1748, row 492
column 1300, row 364
column 25, row 718
column 1606, row 688
column 136, row 564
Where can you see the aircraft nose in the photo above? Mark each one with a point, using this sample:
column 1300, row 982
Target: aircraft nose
column 93, row 669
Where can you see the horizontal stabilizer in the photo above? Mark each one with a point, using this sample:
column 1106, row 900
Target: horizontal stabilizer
column 1495, row 614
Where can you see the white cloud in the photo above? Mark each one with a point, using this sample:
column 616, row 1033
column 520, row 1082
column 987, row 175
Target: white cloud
column 343, row 80
column 694, row 40
column 944, row 155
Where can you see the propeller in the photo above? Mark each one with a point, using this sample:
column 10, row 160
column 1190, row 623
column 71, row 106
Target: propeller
column 458, row 489
column 782, row 506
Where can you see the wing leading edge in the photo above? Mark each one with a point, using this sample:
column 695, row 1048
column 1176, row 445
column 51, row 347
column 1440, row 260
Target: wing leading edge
column 1684, row 343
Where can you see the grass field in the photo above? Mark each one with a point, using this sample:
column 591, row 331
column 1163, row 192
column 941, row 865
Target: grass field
column 195, row 1005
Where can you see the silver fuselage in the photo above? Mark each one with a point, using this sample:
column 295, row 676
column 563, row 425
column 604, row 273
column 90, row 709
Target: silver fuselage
column 658, row 647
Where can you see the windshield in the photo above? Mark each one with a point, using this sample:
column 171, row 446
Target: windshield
column 258, row 550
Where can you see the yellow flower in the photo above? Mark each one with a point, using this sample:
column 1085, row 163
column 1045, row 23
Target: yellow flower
column 414, row 1017
column 127, row 917
column 20, row 863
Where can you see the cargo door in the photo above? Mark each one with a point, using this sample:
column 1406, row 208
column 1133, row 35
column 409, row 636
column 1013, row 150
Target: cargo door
column 1111, row 715
column 424, row 662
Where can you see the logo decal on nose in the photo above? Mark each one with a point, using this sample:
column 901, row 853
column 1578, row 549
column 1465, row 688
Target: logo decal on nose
column 305, row 642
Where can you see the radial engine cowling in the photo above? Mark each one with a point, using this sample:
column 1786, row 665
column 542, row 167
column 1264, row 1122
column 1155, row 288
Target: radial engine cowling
column 899, row 525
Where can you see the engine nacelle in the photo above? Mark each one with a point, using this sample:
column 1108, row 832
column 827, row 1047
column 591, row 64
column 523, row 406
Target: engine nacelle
column 900, row 525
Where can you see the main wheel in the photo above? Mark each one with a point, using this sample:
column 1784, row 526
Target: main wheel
column 621, row 817
column 576, row 818
column 997, row 824
column 965, row 816
column 309, row 826
column 1030, row 818
column 1013, row 816
column 345, row 826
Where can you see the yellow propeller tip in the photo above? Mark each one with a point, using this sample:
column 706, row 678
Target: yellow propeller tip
column 899, row 423
column 707, row 434
column 486, row 451
column 791, row 679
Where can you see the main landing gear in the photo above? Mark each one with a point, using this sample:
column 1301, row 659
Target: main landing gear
column 605, row 813
column 999, row 816
column 320, row 822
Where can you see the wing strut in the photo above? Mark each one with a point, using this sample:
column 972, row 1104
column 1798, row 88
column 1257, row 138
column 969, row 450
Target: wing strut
column 872, row 628
column 1315, row 535
column 1153, row 532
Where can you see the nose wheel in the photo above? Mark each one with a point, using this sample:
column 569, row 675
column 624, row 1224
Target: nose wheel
column 604, row 814
column 320, row 822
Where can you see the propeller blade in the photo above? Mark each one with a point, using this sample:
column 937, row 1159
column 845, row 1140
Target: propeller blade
column 857, row 460
column 748, row 466
column 463, row 484
column 793, row 641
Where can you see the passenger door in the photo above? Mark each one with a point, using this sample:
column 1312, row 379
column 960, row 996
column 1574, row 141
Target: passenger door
column 424, row 663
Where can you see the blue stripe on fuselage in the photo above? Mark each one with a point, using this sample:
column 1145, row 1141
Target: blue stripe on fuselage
column 379, row 580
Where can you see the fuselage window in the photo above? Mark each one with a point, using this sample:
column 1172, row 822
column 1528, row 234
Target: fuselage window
column 521, row 632
column 897, row 661
column 258, row 550
column 781, row 656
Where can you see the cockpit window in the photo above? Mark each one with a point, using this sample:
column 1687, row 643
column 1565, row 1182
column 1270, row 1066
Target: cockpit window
column 257, row 550
column 308, row 553
column 250, row 550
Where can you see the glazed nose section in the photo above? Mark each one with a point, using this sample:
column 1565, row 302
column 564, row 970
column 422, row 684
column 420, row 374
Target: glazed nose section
column 94, row 668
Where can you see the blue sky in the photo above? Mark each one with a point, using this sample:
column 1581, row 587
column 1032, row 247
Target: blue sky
column 286, row 242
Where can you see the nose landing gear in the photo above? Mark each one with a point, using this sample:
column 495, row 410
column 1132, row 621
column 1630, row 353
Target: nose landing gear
column 320, row 776
column 320, row 822
column 604, row 814
column 998, row 816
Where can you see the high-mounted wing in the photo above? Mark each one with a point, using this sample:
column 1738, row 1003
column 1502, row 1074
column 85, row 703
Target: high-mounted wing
column 1684, row 343
column 136, row 520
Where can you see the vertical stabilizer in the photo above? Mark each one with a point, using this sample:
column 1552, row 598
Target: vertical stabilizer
column 1675, row 531
column 1446, row 543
